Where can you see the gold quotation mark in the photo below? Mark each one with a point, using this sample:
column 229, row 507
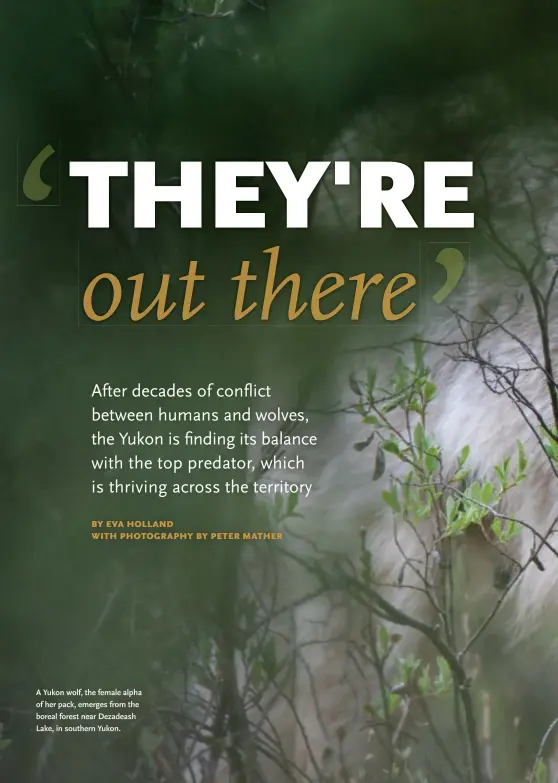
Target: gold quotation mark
column 33, row 186
column 453, row 262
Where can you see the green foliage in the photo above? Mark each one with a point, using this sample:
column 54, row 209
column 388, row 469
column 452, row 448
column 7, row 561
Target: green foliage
column 425, row 489
column 550, row 444
column 442, row 682
column 284, row 507
column 540, row 773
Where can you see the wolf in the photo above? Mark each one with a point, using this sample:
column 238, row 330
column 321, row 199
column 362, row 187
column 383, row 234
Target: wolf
column 491, row 358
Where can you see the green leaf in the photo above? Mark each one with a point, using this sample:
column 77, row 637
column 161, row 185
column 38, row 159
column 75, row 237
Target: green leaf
column 431, row 460
column 418, row 436
column 429, row 391
column 521, row 457
column 391, row 446
column 391, row 499
column 461, row 475
column 496, row 528
column 462, row 459
column 550, row 450
column 512, row 530
column 451, row 507
column 540, row 772
column 383, row 639
column 487, row 493
column 394, row 700
column 363, row 444
column 379, row 465
column 473, row 491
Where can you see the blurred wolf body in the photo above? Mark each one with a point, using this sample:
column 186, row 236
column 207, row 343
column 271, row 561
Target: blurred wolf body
column 466, row 412
column 474, row 407
column 491, row 392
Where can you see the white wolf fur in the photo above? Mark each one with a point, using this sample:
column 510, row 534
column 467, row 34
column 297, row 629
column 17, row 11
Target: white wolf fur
column 330, row 690
column 465, row 412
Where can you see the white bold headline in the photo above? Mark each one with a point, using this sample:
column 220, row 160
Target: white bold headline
column 384, row 186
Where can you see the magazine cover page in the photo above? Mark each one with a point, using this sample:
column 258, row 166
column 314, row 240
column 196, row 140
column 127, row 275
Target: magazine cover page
column 279, row 412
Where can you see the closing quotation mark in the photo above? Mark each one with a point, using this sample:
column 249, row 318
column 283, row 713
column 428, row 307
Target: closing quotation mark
column 453, row 262
column 33, row 186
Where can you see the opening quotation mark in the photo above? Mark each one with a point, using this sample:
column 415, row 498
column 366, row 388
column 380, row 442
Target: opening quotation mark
column 33, row 186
